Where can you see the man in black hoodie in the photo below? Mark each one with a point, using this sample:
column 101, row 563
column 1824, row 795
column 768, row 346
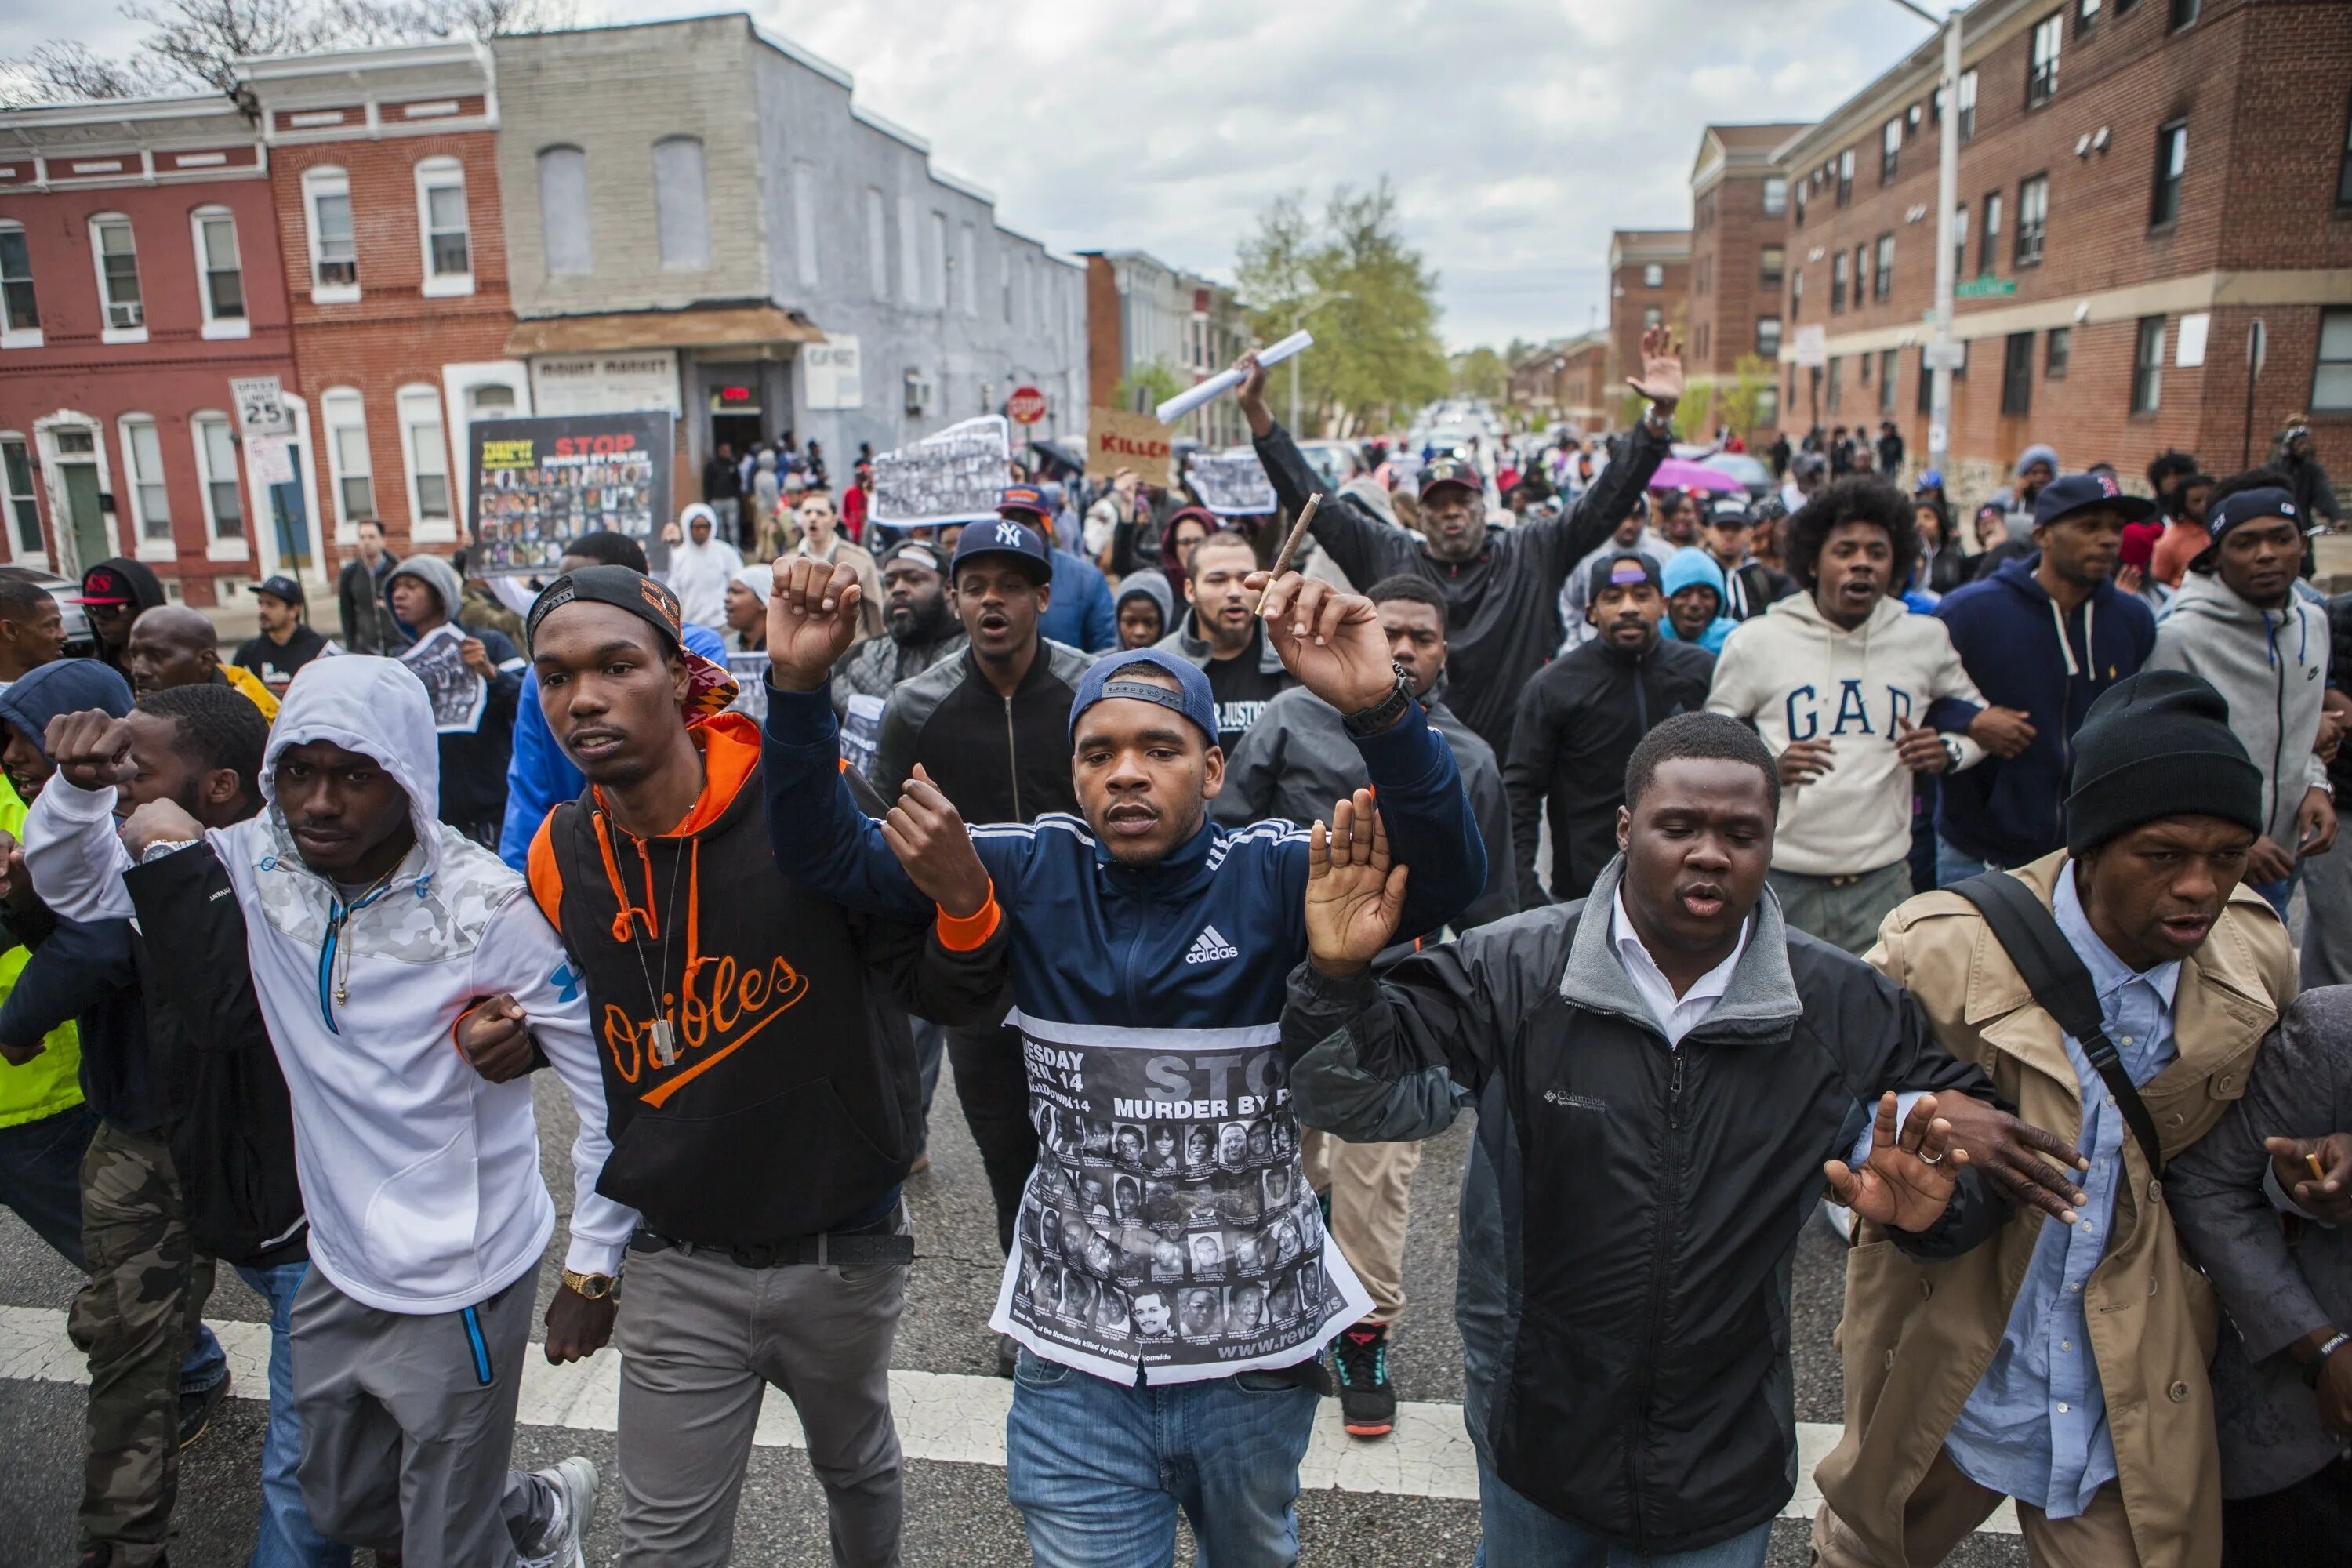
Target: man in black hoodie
column 115, row 593
column 1581, row 717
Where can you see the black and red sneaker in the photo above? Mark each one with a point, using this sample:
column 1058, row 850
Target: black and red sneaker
column 1359, row 1359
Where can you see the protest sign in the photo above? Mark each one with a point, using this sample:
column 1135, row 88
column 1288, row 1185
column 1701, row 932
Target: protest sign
column 539, row 484
column 1230, row 484
column 458, row 693
column 1116, row 441
column 956, row 476
column 1169, row 1226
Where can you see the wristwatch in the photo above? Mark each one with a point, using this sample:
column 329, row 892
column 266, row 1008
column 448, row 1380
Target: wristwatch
column 1951, row 752
column 595, row 1287
column 1382, row 714
column 2318, row 1361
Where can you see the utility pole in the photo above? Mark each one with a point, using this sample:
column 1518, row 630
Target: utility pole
column 1942, row 349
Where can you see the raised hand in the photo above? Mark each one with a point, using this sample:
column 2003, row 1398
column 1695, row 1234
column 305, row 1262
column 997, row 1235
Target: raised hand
column 1354, row 896
column 1331, row 641
column 495, row 1038
column 1907, row 1181
column 811, row 620
column 1661, row 380
column 158, row 822
column 926, row 834
column 91, row 749
column 1251, row 393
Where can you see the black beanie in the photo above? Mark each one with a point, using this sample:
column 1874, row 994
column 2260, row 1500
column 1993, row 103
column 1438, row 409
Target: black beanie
column 2159, row 744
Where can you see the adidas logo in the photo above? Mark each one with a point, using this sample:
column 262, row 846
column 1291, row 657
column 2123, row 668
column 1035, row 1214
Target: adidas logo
column 1210, row 947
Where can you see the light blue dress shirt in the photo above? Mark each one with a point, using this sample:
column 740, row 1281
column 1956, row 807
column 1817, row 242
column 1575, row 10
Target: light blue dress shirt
column 2036, row 1427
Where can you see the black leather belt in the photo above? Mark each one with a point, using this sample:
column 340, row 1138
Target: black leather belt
column 856, row 1246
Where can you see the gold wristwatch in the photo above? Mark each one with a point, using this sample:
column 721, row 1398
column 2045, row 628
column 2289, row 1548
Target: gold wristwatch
column 595, row 1287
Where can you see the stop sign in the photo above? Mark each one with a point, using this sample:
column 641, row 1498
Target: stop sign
column 1027, row 405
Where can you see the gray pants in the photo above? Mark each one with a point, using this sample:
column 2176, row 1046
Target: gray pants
column 702, row 1340
column 408, row 1422
column 2327, row 917
column 1843, row 911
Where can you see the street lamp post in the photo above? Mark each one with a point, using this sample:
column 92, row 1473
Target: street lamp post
column 1298, row 321
column 1941, row 348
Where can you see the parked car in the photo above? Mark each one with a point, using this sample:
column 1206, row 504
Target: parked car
column 81, row 641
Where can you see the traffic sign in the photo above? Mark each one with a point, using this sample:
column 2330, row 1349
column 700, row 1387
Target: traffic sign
column 1986, row 287
column 260, row 406
column 1025, row 406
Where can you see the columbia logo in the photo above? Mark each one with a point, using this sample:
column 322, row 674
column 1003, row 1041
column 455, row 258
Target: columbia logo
column 1210, row 947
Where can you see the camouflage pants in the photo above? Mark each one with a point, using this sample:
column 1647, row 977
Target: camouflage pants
column 135, row 1319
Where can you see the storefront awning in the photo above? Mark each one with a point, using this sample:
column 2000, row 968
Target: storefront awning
column 734, row 326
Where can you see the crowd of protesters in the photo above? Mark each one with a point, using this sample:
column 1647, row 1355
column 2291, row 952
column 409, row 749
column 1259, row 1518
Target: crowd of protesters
column 1733, row 860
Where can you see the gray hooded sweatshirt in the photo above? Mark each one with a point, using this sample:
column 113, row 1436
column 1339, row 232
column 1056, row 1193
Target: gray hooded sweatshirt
column 2271, row 666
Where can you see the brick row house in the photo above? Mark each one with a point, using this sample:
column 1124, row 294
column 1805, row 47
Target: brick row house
column 1738, row 261
column 2145, row 187
column 138, row 277
column 1649, row 286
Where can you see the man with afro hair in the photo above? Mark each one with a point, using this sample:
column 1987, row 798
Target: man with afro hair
column 1838, row 679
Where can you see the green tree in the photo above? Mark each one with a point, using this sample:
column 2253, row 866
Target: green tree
column 1145, row 387
column 1481, row 373
column 1735, row 401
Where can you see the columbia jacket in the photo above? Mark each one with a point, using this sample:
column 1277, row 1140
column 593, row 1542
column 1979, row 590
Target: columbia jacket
column 1797, row 676
column 2272, row 665
column 1631, row 1211
column 420, row 1176
column 2006, row 811
column 1146, row 998
column 999, row 759
column 1579, row 719
column 1503, row 611
column 1296, row 763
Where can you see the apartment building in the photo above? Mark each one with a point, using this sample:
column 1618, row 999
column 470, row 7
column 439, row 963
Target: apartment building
column 1145, row 316
column 1566, row 382
column 1649, row 286
column 2148, row 190
column 1739, row 260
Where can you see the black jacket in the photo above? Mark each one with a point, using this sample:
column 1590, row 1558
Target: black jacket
column 86, row 973
column 148, row 590
column 232, row 1134
column 997, row 759
column 1630, row 1212
column 1754, row 589
column 369, row 625
column 474, row 763
column 1503, row 607
column 1579, row 719
column 277, row 664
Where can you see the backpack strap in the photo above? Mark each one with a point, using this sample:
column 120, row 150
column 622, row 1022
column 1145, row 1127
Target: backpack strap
column 2054, row 973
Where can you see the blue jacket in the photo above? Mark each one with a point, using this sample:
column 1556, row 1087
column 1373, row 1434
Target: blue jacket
column 540, row 777
column 1082, row 614
column 2012, row 810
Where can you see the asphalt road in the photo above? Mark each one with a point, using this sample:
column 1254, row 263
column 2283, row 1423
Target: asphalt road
column 956, row 1512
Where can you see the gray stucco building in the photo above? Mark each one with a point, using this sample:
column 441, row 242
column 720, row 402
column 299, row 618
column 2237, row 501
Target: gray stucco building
column 699, row 217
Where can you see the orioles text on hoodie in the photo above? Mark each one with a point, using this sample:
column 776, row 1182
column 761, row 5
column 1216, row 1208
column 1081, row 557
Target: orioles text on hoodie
column 1797, row 676
column 421, row 1177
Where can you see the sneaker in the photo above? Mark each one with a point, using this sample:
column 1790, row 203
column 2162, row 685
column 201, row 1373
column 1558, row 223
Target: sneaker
column 1359, row 1357
column 197, row 1410
column 573, row 1482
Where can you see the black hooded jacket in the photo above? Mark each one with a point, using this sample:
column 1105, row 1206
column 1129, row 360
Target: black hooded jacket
column 148, row 590
column 1579, row 719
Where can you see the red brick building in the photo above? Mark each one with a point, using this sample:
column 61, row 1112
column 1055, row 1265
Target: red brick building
column 1567, row 382
column 2142, row 185
column 140, row 271
column 387, row 217
column 1649, row 286
column 1738, row 261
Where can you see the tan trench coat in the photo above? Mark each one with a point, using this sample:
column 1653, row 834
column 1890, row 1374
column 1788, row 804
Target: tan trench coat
column 1919, row 1336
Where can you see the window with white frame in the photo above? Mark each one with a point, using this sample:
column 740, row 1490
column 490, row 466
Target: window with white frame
column 143, row 466
column 2042, row 62
column 334, row 244
column 426, row 452
column 681, row 212
column 116, row 255
column 345, row 419
column 23, row 510
column 220, row 276
column 1775, row 194
column 938, row 260
column 1968, row 104
column 20, row 313
column 217, row 475
column 878, row 244
column 911, row 261
column 2331, row 377
column 441, row 221
column 1654, row 276
column 967, row 272
column 563, row 212
column 804, row 178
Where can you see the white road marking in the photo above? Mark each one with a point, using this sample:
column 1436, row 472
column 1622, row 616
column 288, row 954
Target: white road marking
column 943, row 1417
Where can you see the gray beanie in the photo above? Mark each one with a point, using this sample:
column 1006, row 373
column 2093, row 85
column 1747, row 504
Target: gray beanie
column 1152, row 584
column 437, row 574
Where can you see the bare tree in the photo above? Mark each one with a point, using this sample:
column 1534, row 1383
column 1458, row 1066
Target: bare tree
column 61, row 70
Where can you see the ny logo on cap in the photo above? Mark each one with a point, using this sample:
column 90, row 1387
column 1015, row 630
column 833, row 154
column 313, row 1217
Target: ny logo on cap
column 1011, row 533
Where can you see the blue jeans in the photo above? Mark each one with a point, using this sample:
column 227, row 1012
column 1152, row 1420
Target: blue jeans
column 2278, row 892
column 40, row 1178
column 1098, row 1469
column 1952, row 866
column 1519, row 1531
column 287, row 1539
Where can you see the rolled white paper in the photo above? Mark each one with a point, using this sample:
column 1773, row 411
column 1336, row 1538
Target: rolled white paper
column 1217, row 385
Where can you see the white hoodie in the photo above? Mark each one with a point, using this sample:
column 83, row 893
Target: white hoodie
column 421, row 1177
column 1797, row 676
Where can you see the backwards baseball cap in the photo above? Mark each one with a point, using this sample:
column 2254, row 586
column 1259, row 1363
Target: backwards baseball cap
column 914, row 552
column 1729, row 511
column 709, row 688
column 2081, row 492
column 1621, row 569
column 103, row 585
column 1007, row 536
column 1805, row 464
column 280, row 587
column 2247, row 506
column 1191, row 699
column 1026, row 498
column 1449, row 471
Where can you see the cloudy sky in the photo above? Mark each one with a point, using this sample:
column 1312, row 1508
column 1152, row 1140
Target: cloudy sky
column 1517, row 133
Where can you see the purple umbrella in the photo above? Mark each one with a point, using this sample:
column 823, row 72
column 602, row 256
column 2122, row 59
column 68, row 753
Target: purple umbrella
column 1680, row 474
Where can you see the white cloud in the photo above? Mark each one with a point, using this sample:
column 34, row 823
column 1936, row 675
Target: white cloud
column 1517, row 133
